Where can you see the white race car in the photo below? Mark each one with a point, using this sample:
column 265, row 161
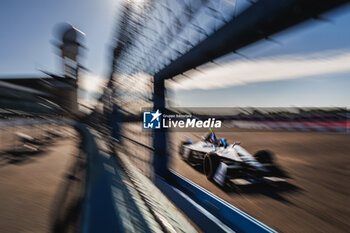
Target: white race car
column 222, row 162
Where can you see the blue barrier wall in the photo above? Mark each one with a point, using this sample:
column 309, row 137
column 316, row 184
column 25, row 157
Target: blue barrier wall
column 198, row 204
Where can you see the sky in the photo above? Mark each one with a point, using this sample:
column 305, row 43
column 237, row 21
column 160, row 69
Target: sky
column 307, row 66
column 28, row 28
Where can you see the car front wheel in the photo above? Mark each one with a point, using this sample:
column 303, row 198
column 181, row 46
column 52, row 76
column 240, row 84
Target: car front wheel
column 210, row 164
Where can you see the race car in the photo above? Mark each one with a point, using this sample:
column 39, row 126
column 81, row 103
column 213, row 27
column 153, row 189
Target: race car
column 222, row 162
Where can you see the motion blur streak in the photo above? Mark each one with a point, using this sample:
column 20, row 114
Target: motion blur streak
column 275, row 68
column 84, row 147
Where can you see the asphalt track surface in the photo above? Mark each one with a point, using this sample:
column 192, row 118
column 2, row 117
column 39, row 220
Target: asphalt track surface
column 313, row 199
column 29, row 183
column 315, row 196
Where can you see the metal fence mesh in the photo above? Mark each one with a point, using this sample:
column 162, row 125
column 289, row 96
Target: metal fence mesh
column 149, row 36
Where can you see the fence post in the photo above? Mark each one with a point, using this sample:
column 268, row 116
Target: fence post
column 160, row 156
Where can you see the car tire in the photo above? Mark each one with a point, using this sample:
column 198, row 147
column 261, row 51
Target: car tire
column 264, row 156
column 210, row 164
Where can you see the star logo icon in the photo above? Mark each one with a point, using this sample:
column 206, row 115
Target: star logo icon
column 151, row 120
column 156, row 115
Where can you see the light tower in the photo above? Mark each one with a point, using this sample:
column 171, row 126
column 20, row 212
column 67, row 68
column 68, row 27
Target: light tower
column 70, row 46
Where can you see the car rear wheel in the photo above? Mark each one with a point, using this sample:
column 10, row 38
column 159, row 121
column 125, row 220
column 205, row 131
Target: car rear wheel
column 210, row 164
column 264, row 156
